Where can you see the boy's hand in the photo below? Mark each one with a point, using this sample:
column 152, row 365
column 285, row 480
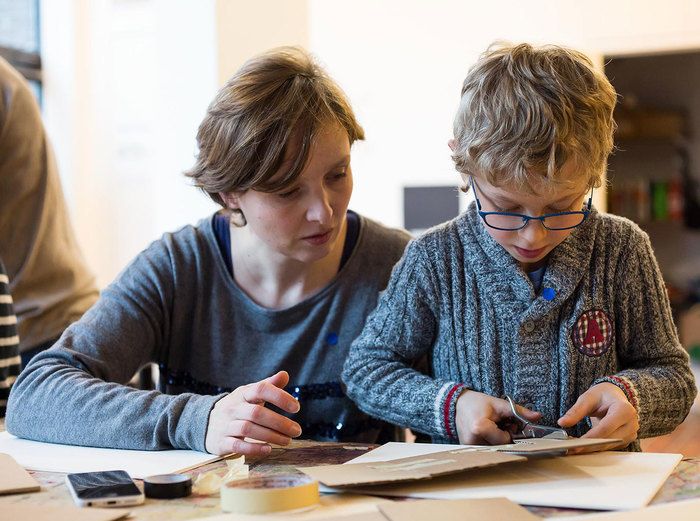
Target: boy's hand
column 242, row 414
column 477, row 416
column 612, row 415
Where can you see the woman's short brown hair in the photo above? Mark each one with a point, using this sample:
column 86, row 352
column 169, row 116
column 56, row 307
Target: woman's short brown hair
column 280, row 97
column 526, row 111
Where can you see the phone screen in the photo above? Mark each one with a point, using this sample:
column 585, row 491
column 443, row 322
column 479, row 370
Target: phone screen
column 96, row 485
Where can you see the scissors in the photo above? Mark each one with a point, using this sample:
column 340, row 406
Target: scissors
column 528, row 429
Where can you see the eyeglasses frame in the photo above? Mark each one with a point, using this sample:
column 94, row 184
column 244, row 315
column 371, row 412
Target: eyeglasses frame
column 527, row 218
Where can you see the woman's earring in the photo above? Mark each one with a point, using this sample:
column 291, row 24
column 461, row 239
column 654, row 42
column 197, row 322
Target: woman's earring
column 235, row 215
column 237, row 218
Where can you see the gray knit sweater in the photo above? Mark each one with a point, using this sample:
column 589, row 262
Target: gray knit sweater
column 178, row 306
column 602, row 314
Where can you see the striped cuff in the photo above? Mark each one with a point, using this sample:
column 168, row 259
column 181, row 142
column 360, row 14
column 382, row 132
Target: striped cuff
column 625, row 385
column 446, row 408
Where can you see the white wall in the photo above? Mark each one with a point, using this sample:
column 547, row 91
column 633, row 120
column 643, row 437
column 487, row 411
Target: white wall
column 67, row 89
column 125, row 86
column 244, row 29
column 127, row 82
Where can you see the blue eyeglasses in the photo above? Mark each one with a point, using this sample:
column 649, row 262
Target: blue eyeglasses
column 509, row 222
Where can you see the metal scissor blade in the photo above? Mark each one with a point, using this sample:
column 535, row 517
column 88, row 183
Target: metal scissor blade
column 542, row 431
column 533, row 430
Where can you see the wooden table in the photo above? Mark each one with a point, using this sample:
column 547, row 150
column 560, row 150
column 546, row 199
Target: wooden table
column 684, row 483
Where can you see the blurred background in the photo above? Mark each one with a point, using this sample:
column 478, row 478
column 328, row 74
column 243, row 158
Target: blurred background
column 123, row 85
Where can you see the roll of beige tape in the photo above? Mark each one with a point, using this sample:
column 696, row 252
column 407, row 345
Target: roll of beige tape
column 269, row 494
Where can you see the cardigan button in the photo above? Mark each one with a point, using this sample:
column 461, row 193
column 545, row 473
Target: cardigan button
column 548, row 294
column 529, row 326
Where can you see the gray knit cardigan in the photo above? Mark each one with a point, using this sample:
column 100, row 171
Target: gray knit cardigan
column 602, row 314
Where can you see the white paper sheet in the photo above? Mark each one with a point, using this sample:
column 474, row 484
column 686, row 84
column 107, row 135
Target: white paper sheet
column 52, row 457
column 598, row 481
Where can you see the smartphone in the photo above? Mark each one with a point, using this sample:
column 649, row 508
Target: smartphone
column 111, row 488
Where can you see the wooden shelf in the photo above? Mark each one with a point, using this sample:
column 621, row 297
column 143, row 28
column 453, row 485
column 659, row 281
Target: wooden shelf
column 649, row 124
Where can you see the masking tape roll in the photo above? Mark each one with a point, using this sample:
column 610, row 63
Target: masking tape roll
column 269, row 494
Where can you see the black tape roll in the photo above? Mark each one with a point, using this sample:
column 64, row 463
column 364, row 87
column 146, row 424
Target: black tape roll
column 167, row 486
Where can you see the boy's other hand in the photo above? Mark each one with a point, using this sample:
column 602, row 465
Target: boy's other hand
column 242, row 414
column 612, row 415
column 478, row 415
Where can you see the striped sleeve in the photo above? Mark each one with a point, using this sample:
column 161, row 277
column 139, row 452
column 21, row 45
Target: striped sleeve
column 9, row 342
column 446, row 409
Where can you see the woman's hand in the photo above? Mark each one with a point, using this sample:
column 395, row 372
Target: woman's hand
column 242, row 414
column 478, row 415
column 612, row 415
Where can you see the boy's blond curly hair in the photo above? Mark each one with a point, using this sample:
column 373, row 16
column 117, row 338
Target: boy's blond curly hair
column 526, row 111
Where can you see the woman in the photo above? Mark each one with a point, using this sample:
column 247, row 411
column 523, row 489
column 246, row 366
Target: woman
column 270, row 290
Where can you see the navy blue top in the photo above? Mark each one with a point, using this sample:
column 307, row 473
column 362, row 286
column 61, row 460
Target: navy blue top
column 222, row 232
column 536, row 277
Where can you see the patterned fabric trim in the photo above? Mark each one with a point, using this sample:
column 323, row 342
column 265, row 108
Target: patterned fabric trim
column 187, row 381
column 437, row 407
column 339, row 431
column 449, row 409
column 624, row 385
column 315, row 391
column 318, row 391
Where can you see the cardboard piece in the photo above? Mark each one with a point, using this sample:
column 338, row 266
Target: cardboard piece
column 688, row 510
column 598, row 481
column 14, row 479
column 331, row 506
column 368, row 516
column 457, row 459
column 552, row 447
column 407, row 469
column 52, row 457
column 493, row 509
column 51, row 513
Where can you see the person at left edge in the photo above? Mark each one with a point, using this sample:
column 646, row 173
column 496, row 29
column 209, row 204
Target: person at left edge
column 270, row 290
column 50, row 281
column 9, row 341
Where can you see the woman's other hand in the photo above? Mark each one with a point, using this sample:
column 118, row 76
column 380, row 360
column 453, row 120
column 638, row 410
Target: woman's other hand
column 242, row 414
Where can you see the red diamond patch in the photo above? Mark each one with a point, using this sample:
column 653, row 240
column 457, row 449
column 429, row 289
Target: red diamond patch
column 593, row 333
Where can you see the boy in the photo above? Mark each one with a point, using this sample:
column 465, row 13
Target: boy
column 530, row 293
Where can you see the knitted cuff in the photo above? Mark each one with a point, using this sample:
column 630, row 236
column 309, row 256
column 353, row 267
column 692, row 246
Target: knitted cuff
column 449, row 409
column 625, row 386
